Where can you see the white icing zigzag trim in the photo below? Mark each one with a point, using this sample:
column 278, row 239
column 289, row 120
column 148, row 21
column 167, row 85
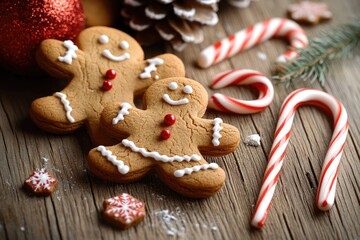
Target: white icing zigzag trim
column 182, row 172
column 153, row 62
column 217, row 128
column 66, row 104
column 70, row 53
column 122, row 113
column 157, row 156
column 122, row 168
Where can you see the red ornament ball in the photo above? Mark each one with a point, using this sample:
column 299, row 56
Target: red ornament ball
column 165, row 134
column 169, row 119
column 24, row 24
column 110, row 74
column 107, row 85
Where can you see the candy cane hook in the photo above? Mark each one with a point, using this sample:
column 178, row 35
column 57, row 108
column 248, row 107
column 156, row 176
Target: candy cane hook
column 253, row 78
column 326, row 192
column 253, row 35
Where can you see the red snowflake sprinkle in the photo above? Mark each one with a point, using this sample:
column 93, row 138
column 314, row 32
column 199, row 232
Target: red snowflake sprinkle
column 310, row 12
column 124, row 210
column 41, row 182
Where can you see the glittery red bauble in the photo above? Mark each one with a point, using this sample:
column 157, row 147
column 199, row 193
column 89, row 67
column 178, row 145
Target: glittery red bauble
column 25, row 23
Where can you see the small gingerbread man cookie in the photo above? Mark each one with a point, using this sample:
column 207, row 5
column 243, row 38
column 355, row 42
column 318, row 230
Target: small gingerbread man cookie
column 106, row 65
column 168, row 137
column 309, row 12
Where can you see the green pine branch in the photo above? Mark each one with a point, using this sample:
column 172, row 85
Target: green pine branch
column 314, row 61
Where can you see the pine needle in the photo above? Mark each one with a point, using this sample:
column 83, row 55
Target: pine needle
column 314, row 61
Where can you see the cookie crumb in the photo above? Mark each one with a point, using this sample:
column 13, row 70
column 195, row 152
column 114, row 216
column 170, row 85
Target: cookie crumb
column 252, row 140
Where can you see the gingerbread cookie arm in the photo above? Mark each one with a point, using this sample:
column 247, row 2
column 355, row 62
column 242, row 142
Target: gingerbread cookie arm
column 59, row 113
column 60, row 59
column 159, row 67
column 221, row 138
column 119, row 119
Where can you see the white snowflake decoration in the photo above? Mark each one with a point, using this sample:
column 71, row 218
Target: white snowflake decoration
column 125, row 207
column 41, row 180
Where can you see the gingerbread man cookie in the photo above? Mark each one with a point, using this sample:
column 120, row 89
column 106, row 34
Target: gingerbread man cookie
column 168, row 137
column 106, row 65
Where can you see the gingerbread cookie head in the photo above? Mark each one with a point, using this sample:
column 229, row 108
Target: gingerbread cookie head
column 103, row 65
column 178, row 95
column 110, row 46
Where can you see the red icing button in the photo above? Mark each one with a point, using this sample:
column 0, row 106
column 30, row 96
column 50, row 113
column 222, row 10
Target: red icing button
column 107, row 85
column 165, row 134
column 110, row 74
column 169, row 119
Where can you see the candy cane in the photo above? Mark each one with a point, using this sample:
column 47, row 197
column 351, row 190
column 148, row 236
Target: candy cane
column 253, row 35
column 326, row 192
column 224, row 103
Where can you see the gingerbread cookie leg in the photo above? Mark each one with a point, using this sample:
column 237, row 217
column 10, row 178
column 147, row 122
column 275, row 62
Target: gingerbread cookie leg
column 192, row 179
column 118, row 164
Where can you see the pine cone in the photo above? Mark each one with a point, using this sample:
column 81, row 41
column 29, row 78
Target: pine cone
column 179, row 22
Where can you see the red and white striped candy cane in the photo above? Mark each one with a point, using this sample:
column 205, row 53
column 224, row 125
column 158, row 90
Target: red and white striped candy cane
column 224, row 103
column 327, row 183
column 253, row 35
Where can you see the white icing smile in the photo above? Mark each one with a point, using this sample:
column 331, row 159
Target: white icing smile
column 167, row 99
column 173, row 86
column 106, row 53
column 104, row 39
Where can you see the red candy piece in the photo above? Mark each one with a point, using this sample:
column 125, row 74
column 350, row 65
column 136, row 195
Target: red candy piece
column 165, row 134
column 110, row 74
column 169, row 119
column 107, row 85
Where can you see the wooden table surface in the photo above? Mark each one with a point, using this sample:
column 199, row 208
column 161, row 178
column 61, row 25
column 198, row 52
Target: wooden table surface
column 74, row 210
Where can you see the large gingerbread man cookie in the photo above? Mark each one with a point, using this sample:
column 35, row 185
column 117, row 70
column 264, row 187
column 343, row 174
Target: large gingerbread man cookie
column 106, row 65
column 168, row 137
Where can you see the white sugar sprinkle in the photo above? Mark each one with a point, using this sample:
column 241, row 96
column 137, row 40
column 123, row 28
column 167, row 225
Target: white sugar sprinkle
column 261, row 56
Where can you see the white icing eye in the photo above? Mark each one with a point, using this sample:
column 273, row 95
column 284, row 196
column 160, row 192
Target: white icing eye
column 124, row 44
column 103, row 39
column 172, row 86
column 188, row 89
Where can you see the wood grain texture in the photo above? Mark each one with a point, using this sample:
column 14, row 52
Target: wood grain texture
column 74, row 210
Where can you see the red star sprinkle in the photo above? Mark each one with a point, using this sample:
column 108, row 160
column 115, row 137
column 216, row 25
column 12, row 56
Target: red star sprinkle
column 123, row 210
column 309, row 12
column 41, row 183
